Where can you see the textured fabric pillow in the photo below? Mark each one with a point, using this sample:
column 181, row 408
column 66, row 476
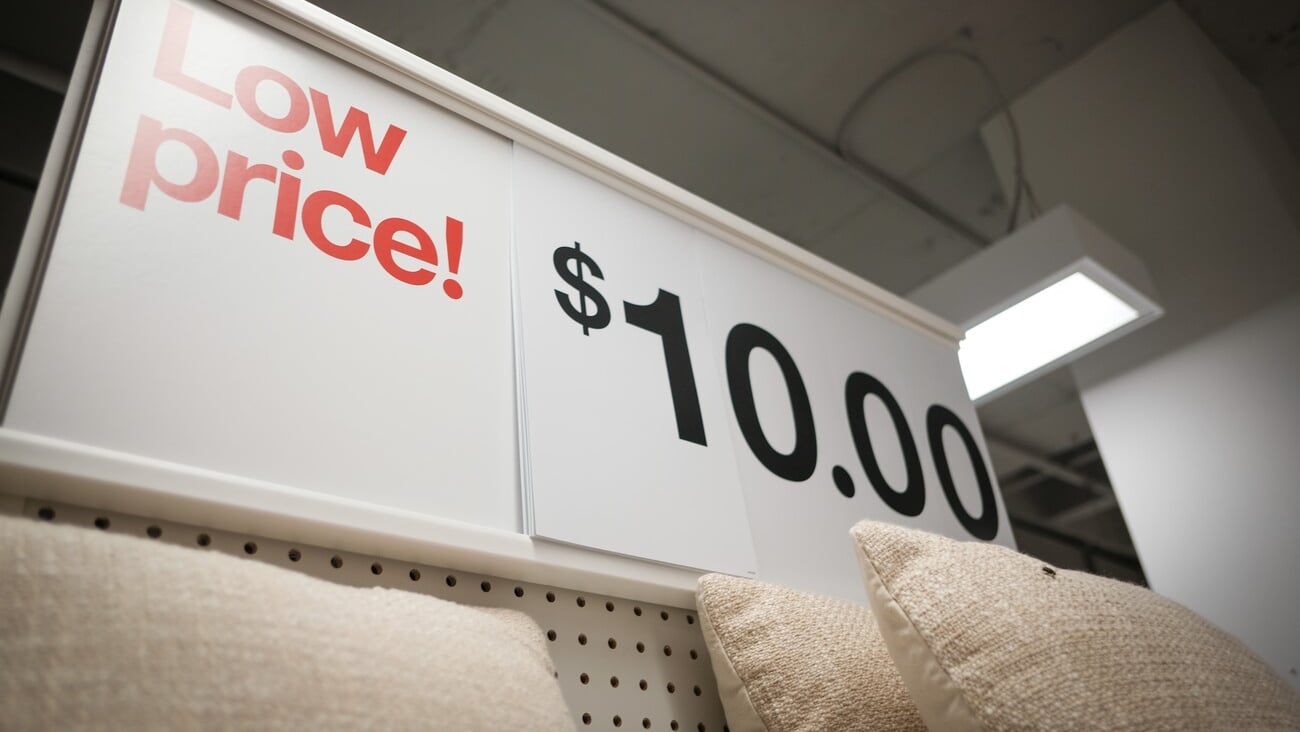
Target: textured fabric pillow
column 788, row 660
column 986, row 638
column 113, row 632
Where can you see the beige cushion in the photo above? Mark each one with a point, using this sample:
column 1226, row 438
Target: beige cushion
column 987, row 638
column 788, row 660
column 118, row 633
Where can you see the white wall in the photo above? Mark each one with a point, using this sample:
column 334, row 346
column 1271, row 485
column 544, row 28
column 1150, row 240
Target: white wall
column 1203, row 448
column 1158, row 139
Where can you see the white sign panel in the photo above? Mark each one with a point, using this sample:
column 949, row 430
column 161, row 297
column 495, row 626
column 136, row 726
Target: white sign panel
column 661, row 368
column 839, row 414
column 619, row 384
column 274, row 265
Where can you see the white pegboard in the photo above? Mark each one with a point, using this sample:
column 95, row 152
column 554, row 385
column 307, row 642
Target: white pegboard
column 621, row 663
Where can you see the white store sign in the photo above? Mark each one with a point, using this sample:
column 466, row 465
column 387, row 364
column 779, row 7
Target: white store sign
column 695, row 395
column 271, row 264
column 255, row 268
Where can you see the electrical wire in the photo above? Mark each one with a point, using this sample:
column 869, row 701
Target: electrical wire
column 663, row 46
column 1022, row 187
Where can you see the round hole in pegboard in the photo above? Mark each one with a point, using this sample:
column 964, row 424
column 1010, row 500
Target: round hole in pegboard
column 414, row 574
column 582, row 601
column 485, row 586
column 294, row 555
column 725, row 728
column 550, row 597
column 519, row 592
column 550, row 635
column 153, row 531
column 609, row 606
column 668, row 650
column 673, row 724
column 376, row 568
column 336, row 561
column 700, row 727
column 618, row 721
column 582, row 639
column 640, row 647
column 102, row 523
column 694, row 654
column 636, row 610
column 613, row 681
column 690, row 620
column 584, row 678
column 663, row 614
column 613, row 644
column 451, row 580
column 586, row 718
column 645, row 722
column 250, row 547
column 697, row 691
column 203, row 539
column 672, row 687
column 45, row 513
column 643, row 684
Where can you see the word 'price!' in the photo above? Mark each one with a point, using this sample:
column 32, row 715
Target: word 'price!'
column 663, row 317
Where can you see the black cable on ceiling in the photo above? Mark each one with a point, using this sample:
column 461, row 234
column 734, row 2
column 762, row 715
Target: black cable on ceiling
column 865, row 170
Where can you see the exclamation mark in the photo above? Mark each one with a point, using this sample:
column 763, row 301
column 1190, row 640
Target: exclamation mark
column 455, row 237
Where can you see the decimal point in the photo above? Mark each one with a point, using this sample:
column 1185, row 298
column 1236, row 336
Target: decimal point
column 843, row 481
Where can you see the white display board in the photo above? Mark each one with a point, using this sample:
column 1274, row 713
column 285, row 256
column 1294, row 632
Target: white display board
column 255, row 268
column 279, row 273
column 618, row 453
column 675, row 386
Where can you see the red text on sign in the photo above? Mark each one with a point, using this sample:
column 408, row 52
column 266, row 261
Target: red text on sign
column 403, row 248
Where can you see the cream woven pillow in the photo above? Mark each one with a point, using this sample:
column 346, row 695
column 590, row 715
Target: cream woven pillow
column 788, row 660
column 116, row 633
column 986, row 638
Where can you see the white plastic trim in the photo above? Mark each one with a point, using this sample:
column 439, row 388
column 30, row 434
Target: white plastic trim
column 29, row 263
column 55, row 470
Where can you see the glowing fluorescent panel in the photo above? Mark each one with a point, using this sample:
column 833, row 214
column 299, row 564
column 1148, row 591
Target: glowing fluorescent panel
column 1039, row 330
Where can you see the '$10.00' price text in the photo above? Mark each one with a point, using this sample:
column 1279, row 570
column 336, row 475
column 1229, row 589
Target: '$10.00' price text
column 586, row 306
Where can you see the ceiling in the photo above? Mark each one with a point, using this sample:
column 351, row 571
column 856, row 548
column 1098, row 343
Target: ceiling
column 826, row 122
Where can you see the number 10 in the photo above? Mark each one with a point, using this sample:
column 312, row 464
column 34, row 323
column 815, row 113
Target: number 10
column 664, row 318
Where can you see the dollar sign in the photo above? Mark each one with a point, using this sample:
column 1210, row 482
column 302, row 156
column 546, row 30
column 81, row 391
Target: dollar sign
column 586, row 291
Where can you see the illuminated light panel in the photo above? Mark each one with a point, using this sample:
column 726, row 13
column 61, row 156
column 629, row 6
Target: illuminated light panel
column 1042, row 328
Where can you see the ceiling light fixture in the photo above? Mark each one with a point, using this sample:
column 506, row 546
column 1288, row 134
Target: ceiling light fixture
column 1055, row 289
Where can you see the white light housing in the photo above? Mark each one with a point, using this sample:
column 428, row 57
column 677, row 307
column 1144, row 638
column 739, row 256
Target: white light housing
column 1048, row 293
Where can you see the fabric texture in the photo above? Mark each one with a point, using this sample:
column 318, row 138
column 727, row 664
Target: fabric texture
column 987, row 638
column 788, row 660
column 117, row 633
